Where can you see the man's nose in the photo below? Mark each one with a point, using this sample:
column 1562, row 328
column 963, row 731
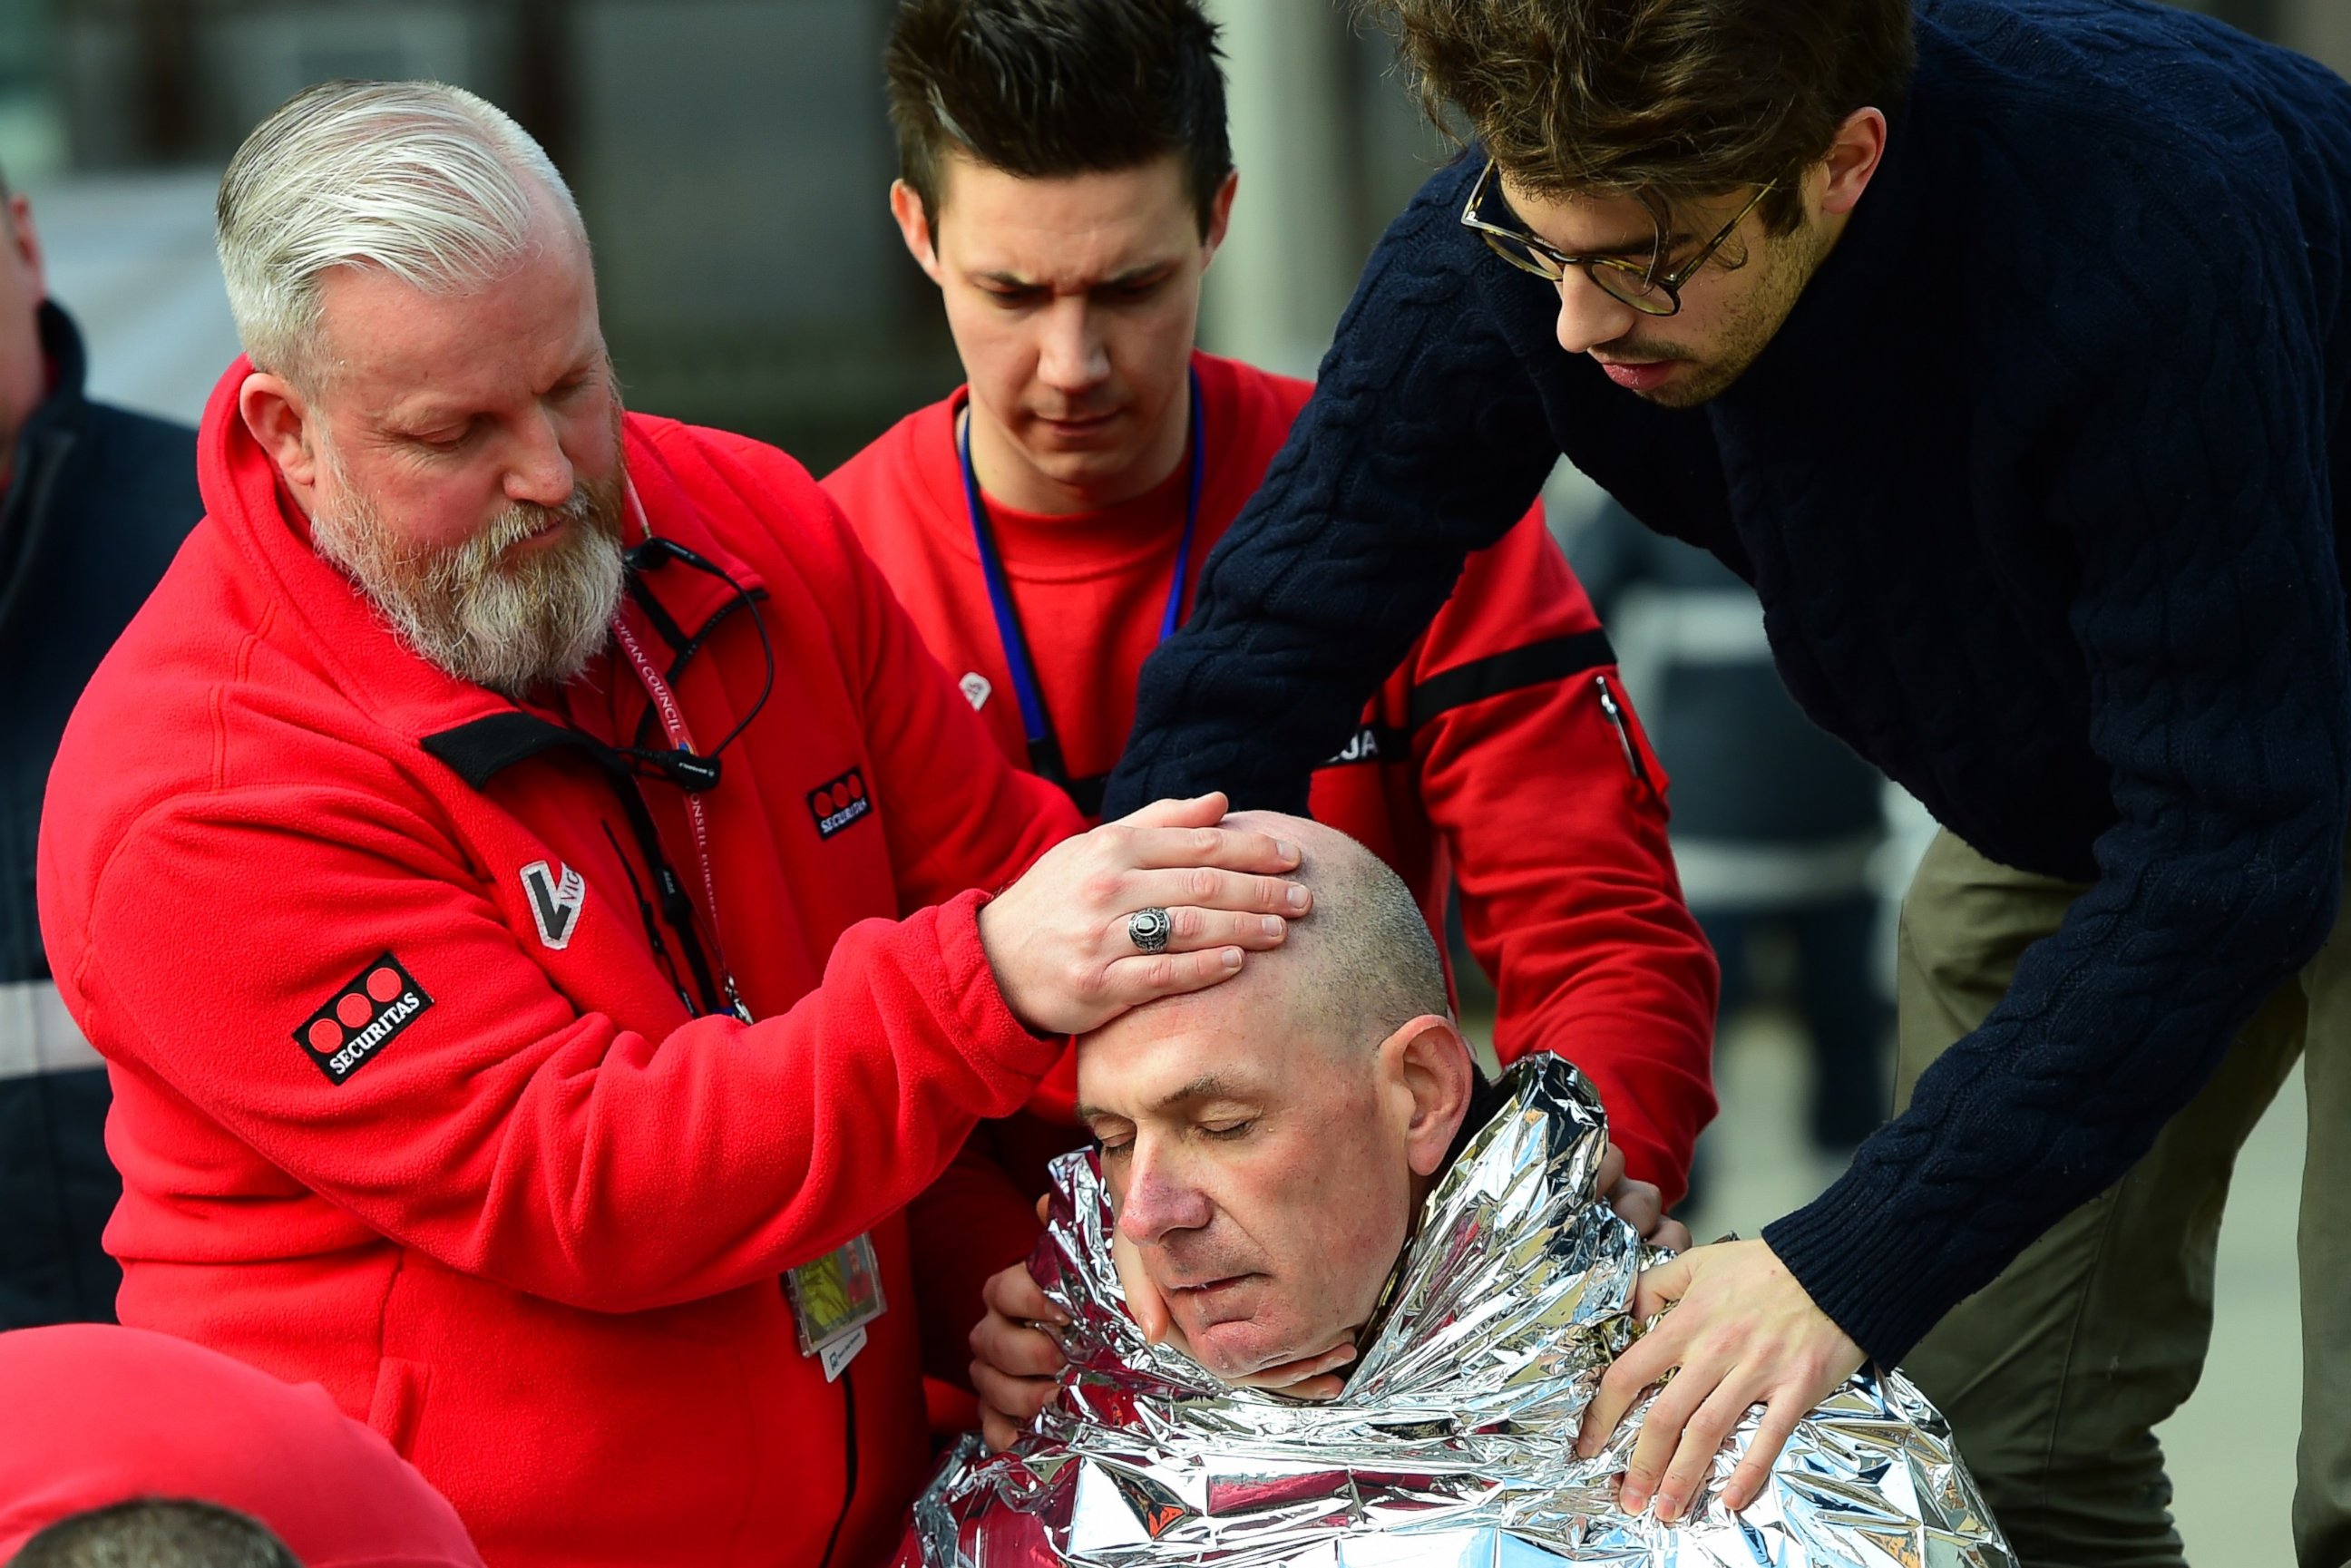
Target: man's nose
column 1160, row 1201
column 1589, row 316
column 540, row 472
column 1070, row 358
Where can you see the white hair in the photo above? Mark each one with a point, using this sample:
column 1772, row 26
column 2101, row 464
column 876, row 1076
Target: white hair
column 427, row 181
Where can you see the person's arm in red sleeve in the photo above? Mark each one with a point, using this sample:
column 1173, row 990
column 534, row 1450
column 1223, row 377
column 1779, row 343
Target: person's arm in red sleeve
column 502, row 1131
column 1555, row 816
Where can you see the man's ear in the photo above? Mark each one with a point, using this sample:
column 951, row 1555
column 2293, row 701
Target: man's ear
column 1220, row 216
column 1853, row 157
column 1428, row 1061
column 915, row 227
column 279, row 419
column 26, row 241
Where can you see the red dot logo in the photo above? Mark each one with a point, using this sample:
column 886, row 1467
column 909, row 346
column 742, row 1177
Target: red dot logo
column 361, row 1016
column 836, row 802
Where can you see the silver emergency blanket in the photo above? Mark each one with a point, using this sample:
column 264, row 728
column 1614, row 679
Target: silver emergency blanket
column 1453, row 1441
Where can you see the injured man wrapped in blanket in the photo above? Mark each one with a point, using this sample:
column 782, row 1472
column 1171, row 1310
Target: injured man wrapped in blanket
column 1305, row 1155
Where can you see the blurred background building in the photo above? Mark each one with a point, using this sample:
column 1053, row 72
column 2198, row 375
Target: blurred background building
column 732, row 159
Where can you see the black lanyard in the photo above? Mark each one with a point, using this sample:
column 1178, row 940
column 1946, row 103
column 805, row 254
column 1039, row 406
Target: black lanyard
column 1045, row 757
column 693, row 772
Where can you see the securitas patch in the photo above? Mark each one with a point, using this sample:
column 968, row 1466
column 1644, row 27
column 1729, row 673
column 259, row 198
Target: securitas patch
column 361, row 1019
column 836, row 802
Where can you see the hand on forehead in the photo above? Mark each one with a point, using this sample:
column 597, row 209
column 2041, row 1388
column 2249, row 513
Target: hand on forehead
column 1344, row 978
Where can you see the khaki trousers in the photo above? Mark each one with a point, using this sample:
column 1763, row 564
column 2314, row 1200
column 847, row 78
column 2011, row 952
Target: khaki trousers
column 2055, row 1375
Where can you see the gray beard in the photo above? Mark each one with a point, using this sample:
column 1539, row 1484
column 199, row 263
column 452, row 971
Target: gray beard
column 511, row 627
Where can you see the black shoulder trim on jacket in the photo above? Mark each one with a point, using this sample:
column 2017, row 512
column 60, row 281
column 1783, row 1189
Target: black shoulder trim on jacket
column 1553, row 659
column 483, row 748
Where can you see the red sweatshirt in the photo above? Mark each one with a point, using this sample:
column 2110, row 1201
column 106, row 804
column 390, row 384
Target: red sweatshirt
column 1488, row 758
column 98, row 1415
column 407, row 1100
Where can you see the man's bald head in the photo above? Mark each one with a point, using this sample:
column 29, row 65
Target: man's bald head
column 1267, row 1140
column 1351, row 973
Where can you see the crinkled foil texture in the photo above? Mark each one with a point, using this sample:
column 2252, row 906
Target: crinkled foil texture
column 1454, row 1442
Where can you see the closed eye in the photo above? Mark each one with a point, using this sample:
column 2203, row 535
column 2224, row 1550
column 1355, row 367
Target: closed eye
column 447, row 440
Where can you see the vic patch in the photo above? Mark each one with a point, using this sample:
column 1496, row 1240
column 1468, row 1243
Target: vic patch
column 975, row 688
column 361, row 1019
column 838, row 802
column 556, row 894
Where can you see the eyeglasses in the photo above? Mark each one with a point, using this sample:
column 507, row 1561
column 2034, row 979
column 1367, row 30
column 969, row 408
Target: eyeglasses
column 1639, row 285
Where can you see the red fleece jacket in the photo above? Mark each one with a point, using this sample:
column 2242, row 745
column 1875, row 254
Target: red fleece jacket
column 407, row 1100
column 98, row 1415
column 1488, row 759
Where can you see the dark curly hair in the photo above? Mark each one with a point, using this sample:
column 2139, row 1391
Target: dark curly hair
column 1663, row 100
column 1046, row 87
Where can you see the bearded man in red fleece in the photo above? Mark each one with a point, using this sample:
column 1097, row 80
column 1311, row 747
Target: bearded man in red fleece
column 516, row 869
column 1067, row 178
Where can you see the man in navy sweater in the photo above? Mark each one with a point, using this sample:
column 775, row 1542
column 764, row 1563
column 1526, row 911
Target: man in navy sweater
column 2001, row 346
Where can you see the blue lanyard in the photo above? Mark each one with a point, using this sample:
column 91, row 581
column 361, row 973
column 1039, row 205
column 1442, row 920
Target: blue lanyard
column 1044, row 748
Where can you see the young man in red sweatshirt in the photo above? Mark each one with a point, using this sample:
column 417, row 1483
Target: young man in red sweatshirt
column 1067, row 178
column 519, row 869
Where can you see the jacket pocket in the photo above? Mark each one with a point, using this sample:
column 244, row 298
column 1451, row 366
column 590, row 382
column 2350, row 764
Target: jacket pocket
column 397, row 1408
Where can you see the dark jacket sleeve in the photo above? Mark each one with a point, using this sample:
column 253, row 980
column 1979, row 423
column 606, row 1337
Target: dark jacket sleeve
column 1425, row 440
column 2209, row 609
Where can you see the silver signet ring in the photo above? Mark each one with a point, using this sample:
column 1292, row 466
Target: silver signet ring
column 1148, row 929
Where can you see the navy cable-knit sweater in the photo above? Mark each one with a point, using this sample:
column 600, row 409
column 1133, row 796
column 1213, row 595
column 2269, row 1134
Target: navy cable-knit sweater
column 2037, row 485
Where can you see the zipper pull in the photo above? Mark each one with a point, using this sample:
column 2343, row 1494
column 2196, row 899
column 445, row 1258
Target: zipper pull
column 1609, row 705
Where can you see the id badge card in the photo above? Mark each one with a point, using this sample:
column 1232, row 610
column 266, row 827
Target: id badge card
column 832, row 1300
